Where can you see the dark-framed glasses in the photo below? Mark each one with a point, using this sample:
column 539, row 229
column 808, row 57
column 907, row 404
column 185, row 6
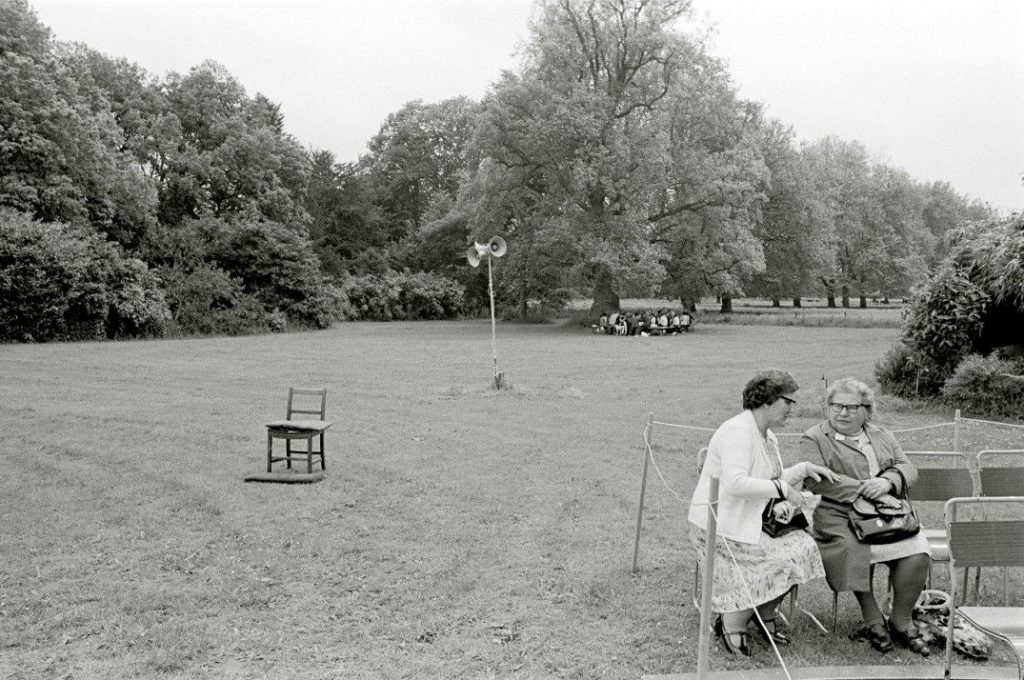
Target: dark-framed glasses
column 849, row 408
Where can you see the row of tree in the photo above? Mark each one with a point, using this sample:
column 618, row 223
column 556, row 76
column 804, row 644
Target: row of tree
column 616, row 159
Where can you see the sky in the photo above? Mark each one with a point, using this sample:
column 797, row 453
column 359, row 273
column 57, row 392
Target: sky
column 932, row 86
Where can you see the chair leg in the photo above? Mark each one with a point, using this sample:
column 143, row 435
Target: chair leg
column 835, row 610
column 323, row 454
column 270, row 451
column 794, row 593
column 288, row 453
column 309, row 455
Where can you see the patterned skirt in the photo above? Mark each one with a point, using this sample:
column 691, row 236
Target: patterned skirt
column 768, row 568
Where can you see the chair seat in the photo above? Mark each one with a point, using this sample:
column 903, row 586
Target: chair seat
column 1005, row 621
column 300, row 425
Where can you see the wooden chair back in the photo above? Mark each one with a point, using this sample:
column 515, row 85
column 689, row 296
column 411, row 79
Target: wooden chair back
column 303, row 401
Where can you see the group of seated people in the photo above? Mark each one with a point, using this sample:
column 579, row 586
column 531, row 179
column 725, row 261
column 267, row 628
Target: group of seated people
column 644, row 323
column 843, row 458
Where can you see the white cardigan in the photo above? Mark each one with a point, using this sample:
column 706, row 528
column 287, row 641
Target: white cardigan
column 737, row 455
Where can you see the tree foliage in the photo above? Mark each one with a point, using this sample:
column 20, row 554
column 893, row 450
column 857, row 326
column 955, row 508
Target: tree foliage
column 616, row 159
column 65, row 282
column 974, row 304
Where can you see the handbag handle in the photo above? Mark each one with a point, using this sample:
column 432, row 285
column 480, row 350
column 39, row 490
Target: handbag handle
column 904, row 487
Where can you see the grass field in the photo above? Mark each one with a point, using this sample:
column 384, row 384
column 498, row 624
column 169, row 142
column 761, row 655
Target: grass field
column 460, row 532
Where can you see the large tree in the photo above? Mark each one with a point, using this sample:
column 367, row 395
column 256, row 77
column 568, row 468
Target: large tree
column 792, row 225
column 61, row 150
column 417, row 159
column 614, row 145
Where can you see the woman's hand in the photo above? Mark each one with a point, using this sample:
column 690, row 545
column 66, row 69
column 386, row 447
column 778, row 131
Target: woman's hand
column 818, row 473
column 793, row 495
column 874, row 488
column 784, row 511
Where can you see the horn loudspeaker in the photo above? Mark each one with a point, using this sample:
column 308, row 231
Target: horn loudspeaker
column 498, row 246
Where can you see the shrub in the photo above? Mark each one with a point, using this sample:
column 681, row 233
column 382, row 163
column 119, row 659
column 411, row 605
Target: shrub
column 945, row 319
column 59, row 282
column 987, row 385
column 396, row 296
column 209, row 301
column 276, row 265
column 905, row 372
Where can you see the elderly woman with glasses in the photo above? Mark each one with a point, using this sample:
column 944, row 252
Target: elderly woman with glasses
column 756, row 569
column 870, row 463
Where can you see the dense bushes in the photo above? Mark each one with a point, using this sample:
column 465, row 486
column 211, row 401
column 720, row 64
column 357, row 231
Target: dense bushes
column 208, row 301
column 991, row 385
column 973, row 305
column 907, row 373
column 396, row 296
column 945, row 319
column 66, row 283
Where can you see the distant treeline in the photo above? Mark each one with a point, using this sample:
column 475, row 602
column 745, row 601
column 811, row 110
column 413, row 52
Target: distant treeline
column 617, row 158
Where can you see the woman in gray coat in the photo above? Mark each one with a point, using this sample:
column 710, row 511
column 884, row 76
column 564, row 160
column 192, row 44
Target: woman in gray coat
column 866, row 458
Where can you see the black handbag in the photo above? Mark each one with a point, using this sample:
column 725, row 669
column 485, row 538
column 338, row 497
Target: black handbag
column 886, row 520
column 774, row 528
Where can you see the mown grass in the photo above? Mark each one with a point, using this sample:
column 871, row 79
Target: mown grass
column 460, row 532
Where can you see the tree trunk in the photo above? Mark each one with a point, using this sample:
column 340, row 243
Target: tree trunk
column 863, row 301
column 524, row 305
column 846, row 296
column 689, row 304
column 796, row 301
column 605, row 297
column 726, row 304
column 776, row 302
column 830, row 292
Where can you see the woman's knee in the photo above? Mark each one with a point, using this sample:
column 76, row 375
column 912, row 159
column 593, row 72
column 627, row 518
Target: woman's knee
column 913, row 567
column 920, row 562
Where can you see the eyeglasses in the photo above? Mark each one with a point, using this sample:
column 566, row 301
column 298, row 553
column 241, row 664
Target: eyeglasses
column 849, row 408
column 791, row 402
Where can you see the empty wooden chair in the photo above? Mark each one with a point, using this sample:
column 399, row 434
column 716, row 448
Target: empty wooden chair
column 302, row 401
column 986, row 532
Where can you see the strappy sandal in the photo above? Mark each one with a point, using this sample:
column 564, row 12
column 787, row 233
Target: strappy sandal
column 770, row 629
column 910, row 639
column 876, row 634
column 727, row 639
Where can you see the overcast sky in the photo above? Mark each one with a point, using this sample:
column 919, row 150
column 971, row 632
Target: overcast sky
column 932, row 86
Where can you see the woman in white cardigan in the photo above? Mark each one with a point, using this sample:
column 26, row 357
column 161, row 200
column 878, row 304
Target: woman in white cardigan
column 744, row 454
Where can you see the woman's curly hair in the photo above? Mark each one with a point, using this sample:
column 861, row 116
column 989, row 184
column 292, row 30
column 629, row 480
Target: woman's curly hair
column 766, row 387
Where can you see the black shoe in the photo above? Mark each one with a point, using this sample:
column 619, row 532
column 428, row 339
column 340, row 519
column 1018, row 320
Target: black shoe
column 769, row 629
column 910, row 639
column 734, row 642
column 876, row 634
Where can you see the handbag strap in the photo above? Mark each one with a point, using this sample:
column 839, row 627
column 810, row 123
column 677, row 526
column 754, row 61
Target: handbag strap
column 904, row 487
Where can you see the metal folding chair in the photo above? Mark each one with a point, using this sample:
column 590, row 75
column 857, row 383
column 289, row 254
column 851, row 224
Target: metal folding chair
column 951, row 480
column 986, row 532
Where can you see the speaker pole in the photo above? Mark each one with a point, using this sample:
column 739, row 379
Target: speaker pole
column 494, row 342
